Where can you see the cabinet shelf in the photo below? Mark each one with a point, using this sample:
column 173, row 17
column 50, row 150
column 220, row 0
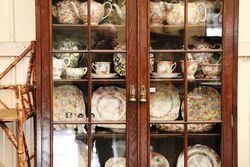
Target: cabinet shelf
column 197, row 29
column 109, row 80
column 85, row 26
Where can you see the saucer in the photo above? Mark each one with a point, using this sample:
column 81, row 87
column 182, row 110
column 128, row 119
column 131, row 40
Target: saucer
column 165, row 75
column 111, row 75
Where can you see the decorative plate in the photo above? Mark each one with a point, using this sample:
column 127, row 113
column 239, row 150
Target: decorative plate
column 109, row 104
column 158, row 160
column 204, row 104
column 119, row 60
column 165, row 102
column 178, row 128
column 68, row 105
column 116, row 162
column 165, row 75
column 200, row 156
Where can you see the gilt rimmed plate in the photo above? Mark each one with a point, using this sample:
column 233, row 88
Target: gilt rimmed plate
column 165, row 102
column 68, row 105
column 200, row 155
column 109, row 104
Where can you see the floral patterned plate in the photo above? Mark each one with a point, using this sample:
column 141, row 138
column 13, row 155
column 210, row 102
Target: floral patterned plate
column 109, row 104
column 204, row 104
column 200, row 156
column 68, row 105
column 157, row 160
column 165, row 102
column 116, row 162
column 119, row 60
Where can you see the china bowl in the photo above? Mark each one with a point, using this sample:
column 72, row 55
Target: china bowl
column 211, row 70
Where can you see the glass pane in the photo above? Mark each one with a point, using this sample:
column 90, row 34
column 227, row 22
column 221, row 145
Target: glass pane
column 166, row 87
column 109, row 146
column 166, row 25
column 165, row 147
column 68, row 148
column 108, row 24
column 204, row 150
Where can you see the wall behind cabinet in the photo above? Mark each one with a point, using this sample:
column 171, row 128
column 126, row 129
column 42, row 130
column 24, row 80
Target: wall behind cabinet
column 17, row 27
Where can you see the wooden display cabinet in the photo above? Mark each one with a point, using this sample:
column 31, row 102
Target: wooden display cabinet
column 159, row 112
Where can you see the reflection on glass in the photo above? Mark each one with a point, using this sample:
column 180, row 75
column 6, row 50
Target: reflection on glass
column 69, row 151
column 165, row 151
column 108, row 148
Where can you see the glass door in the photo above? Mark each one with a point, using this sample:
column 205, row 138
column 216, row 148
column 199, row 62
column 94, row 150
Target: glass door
column 93, row 117
column 184, row 67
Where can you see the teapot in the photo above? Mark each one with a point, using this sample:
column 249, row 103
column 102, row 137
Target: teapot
column 175, row 13
column 158, row 12
column 97, row 11
column 64, row 12
column 115, row 16
column 58, row 66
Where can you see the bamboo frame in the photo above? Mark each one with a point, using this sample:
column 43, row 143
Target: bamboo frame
column 25, row 106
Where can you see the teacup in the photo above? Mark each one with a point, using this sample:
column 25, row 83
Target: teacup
column 192, row 66
column 75, row 73
column 101, row 67
column 166, row 66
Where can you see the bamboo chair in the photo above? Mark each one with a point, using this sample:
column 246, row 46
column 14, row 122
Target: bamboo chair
column 25, row 107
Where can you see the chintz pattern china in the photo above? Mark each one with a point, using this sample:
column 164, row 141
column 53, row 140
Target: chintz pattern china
column 156, row 160
column 109, row 103
column 64, row 12
column 164, row 103
column 101, row 67
column 204, row 104
column 82, row 153
column 192, row 66
column 157, row 13
column 68, row 105
column 97, row 11
column 119, row 60
column 192, row 128
column 75, row 73
column 175, row 13
column 115, row 16
column 70, row 58
column 166, row 67
column 110, row 75
column 200, row 156
column 165, row 75
column 212, row 71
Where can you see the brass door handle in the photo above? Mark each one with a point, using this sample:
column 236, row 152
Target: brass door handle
column 132, row 94
column 143, row 98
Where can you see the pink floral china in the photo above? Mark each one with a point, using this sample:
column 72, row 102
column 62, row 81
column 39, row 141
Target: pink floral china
column 101, row 67
column 200, row 156
column 97, row 11
column 165, row 102
column 158, row 13
column 109, row 104
column 166, row 66
column 212, row 71
column 75, row 73
column 65, row 13
column 175, row 13
column 68, row 105
column 192, row 66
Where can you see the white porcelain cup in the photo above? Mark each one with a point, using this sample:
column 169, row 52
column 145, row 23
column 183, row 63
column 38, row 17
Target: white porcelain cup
column 101, row 67
column 166, row 66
